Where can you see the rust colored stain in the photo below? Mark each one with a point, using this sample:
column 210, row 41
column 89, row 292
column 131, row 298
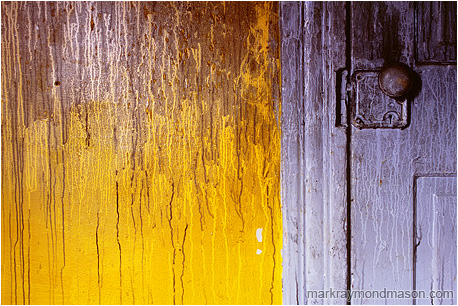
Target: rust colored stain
column 140, row 153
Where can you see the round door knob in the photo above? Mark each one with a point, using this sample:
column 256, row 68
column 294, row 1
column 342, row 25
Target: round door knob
column 395, row 80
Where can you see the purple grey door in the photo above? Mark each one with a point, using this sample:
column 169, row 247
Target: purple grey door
column 369, row 181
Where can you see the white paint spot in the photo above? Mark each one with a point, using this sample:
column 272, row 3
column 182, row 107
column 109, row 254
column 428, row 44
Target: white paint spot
column 258, row 251
column 259, row 234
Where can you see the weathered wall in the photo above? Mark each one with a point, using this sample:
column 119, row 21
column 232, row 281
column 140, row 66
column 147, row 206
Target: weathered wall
column 313, row 152
column 140, row 153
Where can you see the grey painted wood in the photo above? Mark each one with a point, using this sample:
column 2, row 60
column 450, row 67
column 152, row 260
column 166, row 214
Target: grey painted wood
column 435, row 236
column 436, row 32
column 381, row 222
column 313, row 152
column 292, row 146
column 384, row 163
column 381, row 32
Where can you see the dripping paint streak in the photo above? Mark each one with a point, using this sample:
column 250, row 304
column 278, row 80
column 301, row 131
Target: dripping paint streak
column 63, row 230
column 182, row 272
column 98, row 254
column 117, row 238
column 173, row 244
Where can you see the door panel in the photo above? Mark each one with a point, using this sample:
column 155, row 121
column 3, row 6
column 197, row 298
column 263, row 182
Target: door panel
column 435, row 252
column 140, row 153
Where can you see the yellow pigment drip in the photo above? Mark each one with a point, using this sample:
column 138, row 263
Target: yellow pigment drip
column 140, row 153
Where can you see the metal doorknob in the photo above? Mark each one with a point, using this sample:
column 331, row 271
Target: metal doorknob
column 395, row 80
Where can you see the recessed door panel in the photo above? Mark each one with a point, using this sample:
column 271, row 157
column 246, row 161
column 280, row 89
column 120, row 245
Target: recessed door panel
column 435, row 240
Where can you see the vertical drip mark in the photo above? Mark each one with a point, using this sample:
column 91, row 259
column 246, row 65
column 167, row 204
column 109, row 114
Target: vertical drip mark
column 11, row 253
column 135, row 228
column 21, row 201
column 182, row 271
column 49, row 202
column 272, row 222
column 16, row 241
column 173, row 244
column 117, row 238
column 28, row 258
column 414, row 242
column 142, row 236
column 63, row 228
column 98, row 255
column 19, row 157
column 225, row 161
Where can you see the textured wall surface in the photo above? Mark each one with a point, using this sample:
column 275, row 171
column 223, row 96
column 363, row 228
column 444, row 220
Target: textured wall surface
column 313, row 152
column 140, row 153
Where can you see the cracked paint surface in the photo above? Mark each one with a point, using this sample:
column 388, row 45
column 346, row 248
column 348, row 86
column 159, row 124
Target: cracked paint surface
column 140, row 152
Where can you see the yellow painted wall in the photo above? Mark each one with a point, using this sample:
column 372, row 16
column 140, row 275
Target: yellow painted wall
column 140, row 153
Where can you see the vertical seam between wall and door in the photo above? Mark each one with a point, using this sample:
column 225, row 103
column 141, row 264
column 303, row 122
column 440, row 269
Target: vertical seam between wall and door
column 414, row 237
column 348, row 25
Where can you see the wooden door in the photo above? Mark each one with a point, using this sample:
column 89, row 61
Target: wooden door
column 140, row 153
column 368, row 182
column 403, row 178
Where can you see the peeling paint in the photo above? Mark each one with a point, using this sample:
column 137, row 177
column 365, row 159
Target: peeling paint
column 259, row 234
